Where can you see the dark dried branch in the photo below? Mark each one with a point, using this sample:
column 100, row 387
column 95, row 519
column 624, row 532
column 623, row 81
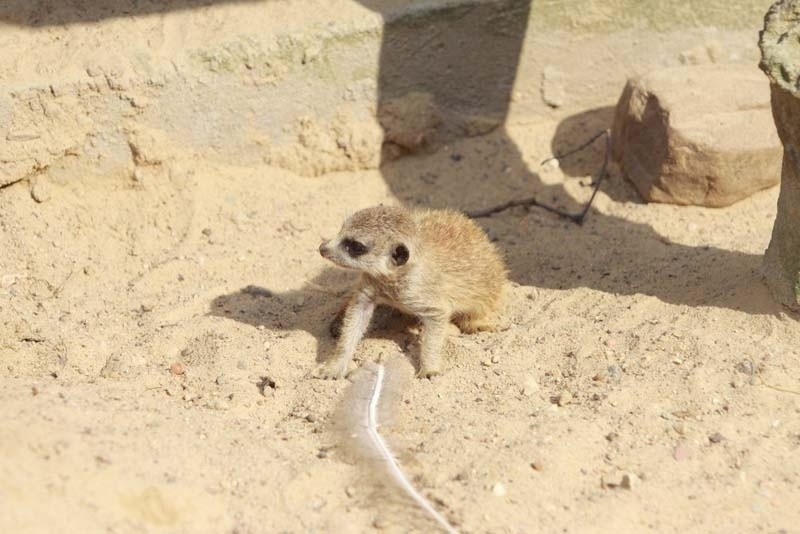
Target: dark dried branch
column 577, row 218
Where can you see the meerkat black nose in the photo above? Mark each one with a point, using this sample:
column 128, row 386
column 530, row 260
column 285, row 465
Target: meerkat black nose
column 323, row 249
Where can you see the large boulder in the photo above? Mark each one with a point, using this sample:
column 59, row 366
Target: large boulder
column 780, row 53
column 697, row 135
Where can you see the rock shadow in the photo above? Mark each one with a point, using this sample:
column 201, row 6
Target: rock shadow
column 466, row 56
column 606, row 253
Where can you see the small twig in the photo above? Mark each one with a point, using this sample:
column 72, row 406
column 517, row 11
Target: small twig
column 55, row 291
column 577, row 218
column 778, row 388
column 578, row 149
column 60, row 288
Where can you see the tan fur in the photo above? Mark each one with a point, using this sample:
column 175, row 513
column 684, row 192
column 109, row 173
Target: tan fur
column 453, row 273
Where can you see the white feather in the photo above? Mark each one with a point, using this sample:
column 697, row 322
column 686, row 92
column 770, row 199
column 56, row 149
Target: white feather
column 360, row 419
column 388, row 457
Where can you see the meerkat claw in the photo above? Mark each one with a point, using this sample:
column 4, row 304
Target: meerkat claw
column 330, row 370
column 427, row 372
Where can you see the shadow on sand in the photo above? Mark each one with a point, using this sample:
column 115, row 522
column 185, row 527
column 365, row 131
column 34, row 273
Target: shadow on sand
column 446, row 58
column 310, row 309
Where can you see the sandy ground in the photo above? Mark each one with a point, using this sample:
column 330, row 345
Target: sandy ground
column 643, row 343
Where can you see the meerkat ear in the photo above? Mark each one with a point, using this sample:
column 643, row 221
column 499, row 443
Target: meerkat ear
column 400, row 254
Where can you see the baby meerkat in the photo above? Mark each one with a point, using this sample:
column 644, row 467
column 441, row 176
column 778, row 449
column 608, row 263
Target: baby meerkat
column 437, row 265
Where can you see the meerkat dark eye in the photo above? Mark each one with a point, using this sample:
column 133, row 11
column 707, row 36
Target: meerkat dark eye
column 354, row 248
column 400, row 255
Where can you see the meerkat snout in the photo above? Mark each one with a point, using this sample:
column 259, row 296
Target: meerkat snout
column 324, row 249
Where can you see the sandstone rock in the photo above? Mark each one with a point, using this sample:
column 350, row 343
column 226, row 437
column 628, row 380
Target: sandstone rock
column 409, row 122
column 346, row 142
column 554, row 93
column 698, row 135
column 780, row 59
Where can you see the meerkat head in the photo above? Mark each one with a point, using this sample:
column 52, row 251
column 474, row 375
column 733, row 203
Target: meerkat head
column 377, row 241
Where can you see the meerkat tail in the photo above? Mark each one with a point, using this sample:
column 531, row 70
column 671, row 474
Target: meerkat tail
column 391, row 463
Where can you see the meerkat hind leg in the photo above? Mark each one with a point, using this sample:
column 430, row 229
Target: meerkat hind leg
column 471, row 324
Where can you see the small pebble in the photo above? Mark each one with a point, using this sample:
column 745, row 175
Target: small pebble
column 206, row 231
column 613, row 371
column 177, row 369
column 551, row 164
column 350, row 491
column 745, row 366
column 530, row 386
column 499, row 490
column 40, row 191
column 716, row 437
column 629, row 481
column 564, row 398
column 139, row 102
column 462, row 476
column 537, row 465
column 681, row 452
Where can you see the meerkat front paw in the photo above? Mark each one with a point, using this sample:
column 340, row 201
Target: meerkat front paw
column 330, row 370
column 428, row 371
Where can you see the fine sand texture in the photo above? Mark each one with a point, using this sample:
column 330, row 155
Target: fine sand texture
column 157, row 335
column 166, row 178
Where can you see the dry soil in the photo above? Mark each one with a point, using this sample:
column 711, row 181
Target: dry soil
column 156, row 332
